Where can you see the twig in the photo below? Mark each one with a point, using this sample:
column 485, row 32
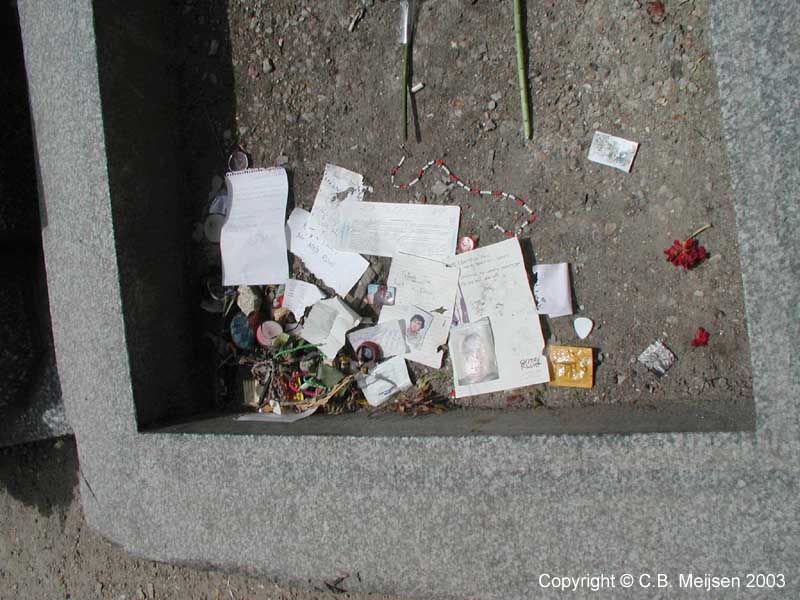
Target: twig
column 699, row 231
column 523, row 86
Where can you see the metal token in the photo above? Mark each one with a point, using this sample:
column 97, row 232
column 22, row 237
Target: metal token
column 465, row 244
column 238, row 160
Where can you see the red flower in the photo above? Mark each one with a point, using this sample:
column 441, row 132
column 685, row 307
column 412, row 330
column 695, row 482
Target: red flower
column 700, row 338
column 685, row 254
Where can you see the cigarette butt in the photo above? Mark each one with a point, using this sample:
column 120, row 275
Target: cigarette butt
column 417, row 87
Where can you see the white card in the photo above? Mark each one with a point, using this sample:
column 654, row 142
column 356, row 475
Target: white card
column 552, row 289
column 613, row 151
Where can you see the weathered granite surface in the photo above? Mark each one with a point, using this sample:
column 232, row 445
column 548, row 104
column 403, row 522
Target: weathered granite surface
column 436, row 516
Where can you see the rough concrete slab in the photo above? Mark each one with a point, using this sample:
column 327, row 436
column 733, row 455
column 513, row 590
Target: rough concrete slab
column 445, row 517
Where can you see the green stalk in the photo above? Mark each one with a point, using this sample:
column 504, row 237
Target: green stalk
column 404, row 86
column 523, row 87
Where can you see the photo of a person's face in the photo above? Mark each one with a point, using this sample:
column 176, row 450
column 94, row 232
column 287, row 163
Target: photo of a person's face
column 415, row 325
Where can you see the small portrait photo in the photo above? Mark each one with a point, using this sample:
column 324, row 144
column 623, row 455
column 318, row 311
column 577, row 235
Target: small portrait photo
column 417, row 323
column 378, row 295
column 472, row 352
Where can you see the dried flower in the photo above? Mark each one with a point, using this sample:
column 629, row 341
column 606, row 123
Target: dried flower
column 687, row 253
column 700, row 338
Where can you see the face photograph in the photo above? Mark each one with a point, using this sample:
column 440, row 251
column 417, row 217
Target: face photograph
column 417, row 325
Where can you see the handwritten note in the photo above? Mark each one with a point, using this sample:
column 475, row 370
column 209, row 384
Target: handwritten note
column 384, row 229
column 493, row 284
column 338, row 187
column 426, row 289
column 299, row 295
column 252, row 241
column 339, row 270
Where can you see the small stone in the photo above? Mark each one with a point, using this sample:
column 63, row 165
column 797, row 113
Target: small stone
column 698, row 293
column 213, row 46
column 558, row 214
column 676, row 69
column 267, row 65
column 140, row 594
column 610, row 228
column 282, row 160
column 692, row 88
column 440, row 188
column 490, row 125
column 620, row 378
column 492, row 105
column 496, row 97
column 151, row 591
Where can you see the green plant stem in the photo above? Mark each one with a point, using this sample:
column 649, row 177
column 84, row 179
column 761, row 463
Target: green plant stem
column 523, row 86
column 699, row 231
column 404, row 86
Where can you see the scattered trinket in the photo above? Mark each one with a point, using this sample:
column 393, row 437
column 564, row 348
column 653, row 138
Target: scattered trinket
column 368, row 352
column 241, row 334
column 378, row 295
column 417, row 87
column 571, row 366
column 238, row 160
column 267, row 333
column 531, row 218
column 657, row 357
column 465, row 244
column 583, row 327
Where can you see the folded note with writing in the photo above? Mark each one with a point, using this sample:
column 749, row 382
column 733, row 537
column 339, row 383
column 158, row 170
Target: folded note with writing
column 339, row 270
column 338, row 187
column 299, row 295
column 424, row 298
column 384, row 229
column 384, row 381
column 252, row 241
column 327, row 325
column 493, row 283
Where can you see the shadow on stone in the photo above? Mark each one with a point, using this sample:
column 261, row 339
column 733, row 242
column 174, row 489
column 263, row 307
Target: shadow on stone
column 42, row 474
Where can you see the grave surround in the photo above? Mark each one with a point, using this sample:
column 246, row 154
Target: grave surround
column 472, row 513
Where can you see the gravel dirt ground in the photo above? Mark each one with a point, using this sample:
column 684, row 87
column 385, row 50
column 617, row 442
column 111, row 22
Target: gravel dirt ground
column 296, row 87
column 48, row 552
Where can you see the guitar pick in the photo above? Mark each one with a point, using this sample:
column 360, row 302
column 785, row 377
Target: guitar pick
column 583, row 327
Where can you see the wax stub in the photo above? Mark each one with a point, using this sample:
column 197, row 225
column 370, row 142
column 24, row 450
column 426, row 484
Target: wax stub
column 571, row 366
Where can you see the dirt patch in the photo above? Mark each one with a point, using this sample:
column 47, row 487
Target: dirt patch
column 307, row 90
